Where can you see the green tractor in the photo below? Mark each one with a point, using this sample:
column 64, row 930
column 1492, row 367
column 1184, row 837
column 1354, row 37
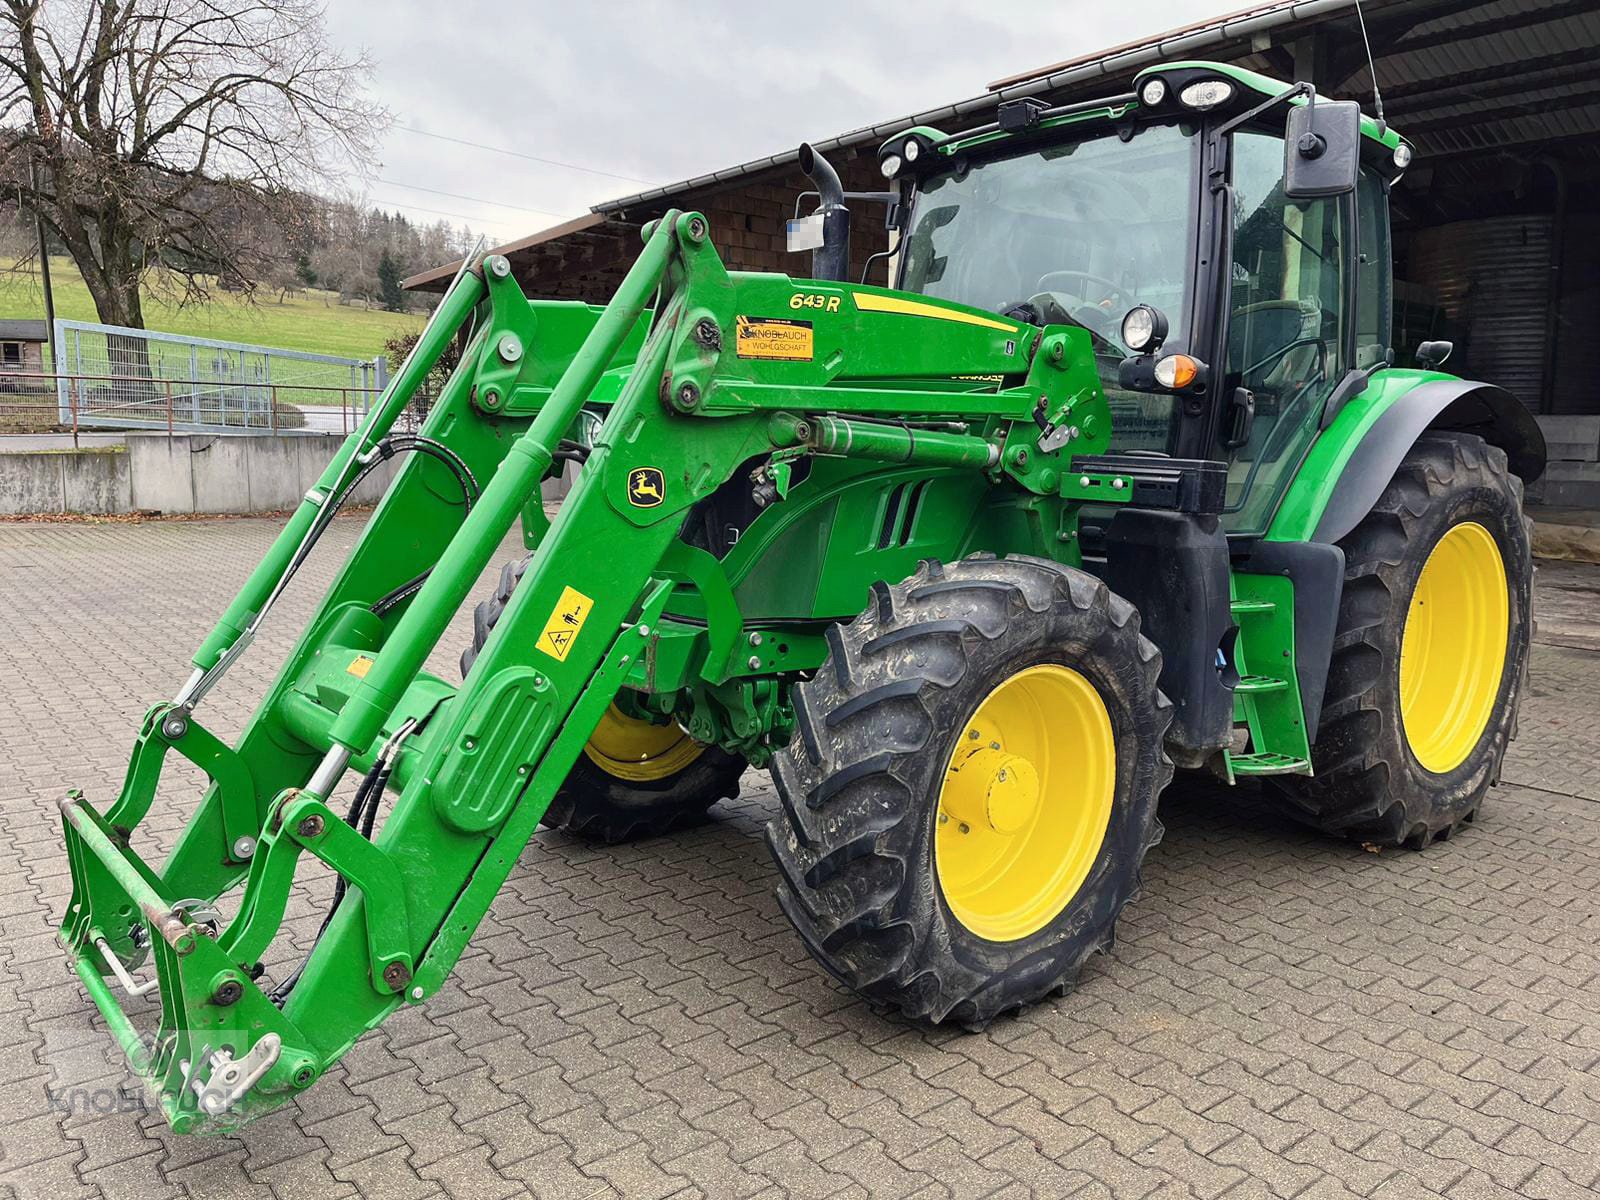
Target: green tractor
column 1120, row 475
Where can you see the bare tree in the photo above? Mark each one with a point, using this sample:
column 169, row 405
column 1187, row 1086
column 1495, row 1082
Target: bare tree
column 178, row 133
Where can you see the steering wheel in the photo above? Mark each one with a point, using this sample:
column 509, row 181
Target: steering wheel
column 1096, row 318
column 1044, row 284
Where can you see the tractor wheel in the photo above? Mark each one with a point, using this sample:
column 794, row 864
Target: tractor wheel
column 972, row 787
column 635, row 778
column 1431, row 652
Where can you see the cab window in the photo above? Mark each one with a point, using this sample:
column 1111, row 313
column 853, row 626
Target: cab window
column 1079, row 232
column 1286, row 324
column 1374, row 270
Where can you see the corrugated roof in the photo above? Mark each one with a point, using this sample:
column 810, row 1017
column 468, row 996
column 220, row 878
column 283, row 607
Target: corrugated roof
column 24, row 331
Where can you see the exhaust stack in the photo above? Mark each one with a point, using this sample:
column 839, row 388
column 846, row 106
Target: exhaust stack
column 832, row 259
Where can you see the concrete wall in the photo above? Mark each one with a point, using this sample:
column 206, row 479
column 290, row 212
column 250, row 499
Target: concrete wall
column 204, row 474
column 183, row 474
column 88, row 481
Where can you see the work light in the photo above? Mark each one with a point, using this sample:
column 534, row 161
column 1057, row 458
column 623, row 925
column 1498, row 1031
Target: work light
column 1143, row 329
column 1208, row 93
column 890, row 166
column 1153, row 92
column 913, row 148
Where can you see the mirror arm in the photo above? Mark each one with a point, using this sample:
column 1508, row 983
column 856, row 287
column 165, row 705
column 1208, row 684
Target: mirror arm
column 1300, row 89
column 1219, row 135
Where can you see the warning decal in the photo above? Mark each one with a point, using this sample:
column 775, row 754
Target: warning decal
column 359, row 666
column 565, row 623
column 774, row 337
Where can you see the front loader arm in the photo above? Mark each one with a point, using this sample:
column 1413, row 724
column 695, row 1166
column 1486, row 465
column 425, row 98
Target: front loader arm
column 716, row 382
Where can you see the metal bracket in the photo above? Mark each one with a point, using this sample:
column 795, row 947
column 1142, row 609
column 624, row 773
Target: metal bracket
column 231, row 1077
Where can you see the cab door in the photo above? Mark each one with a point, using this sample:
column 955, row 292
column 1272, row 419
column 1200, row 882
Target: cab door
column 1289, row 322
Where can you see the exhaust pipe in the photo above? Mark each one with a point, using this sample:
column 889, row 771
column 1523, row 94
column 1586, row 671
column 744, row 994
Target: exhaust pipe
column 832, row 259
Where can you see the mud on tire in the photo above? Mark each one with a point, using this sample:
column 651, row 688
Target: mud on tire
column 860, row 784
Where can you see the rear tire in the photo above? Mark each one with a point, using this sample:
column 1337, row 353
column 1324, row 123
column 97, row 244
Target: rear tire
column 611, row 794
column 870, row 877
column 1392, row 768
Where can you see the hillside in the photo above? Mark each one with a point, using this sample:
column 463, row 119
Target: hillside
column 311, row 320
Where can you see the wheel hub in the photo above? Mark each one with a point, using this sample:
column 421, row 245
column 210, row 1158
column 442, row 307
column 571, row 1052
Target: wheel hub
column 1026, row 801
column 993, row 788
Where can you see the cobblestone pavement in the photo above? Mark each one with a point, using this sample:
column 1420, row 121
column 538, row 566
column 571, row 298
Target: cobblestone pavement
column 1283, row 1015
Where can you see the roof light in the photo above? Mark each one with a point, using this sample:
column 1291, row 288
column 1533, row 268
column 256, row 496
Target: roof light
column 890, row 166
column 913, row 148
column 1402, row 156
column 1208, row 93
column 1153, row 92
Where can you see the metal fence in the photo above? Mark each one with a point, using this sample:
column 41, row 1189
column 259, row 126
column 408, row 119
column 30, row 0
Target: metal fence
column 33, row 402
column 115, row 377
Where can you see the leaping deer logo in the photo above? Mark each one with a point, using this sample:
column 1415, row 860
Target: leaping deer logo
column 646, row 487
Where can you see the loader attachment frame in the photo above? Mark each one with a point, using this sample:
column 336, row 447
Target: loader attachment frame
column 693, row 390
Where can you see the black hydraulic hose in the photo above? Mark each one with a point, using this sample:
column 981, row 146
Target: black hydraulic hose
column 362, row 816
column 469, row 495
column 385, row 449
column 362, row 813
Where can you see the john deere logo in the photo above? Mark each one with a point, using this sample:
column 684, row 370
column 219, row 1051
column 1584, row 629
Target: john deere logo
column 646, row 487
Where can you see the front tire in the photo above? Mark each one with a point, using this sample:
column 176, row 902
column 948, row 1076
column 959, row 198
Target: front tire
column 972, row 787
column 1431, row 651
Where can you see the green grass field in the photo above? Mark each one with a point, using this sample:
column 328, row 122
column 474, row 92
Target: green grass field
column 313, row 321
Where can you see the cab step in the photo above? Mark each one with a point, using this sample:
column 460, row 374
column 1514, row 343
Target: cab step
column 1267, row 763
column 1256, row 684
column 1244, row 608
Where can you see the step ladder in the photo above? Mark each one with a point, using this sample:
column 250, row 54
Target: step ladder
column 1266, row 699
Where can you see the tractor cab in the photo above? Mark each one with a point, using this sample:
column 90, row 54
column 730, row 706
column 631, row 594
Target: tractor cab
column 1222, row 236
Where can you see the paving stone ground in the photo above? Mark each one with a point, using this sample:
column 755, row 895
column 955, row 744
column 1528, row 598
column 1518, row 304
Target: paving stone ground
column 1284, row 1015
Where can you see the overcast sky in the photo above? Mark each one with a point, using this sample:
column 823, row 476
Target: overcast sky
column 652, row 93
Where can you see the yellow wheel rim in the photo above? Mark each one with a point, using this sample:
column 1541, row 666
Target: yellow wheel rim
column 638, row 751
column 1025, row 802
column 1453, row 648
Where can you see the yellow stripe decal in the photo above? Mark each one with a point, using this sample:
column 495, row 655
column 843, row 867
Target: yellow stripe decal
column 872, row 302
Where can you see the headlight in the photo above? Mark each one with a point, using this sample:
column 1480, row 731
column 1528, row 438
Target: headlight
column 913, row 148
column 1153, row 92
column 890, row 166
column 1143, row 329
column 1402, row 156
column 1176, row 371
column 1208, row 93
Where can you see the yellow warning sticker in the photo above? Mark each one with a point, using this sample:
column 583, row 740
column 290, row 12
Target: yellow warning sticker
column 565, row 623
column 774, row 337
column 359, row 666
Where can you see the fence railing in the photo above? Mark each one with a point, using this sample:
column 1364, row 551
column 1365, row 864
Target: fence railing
column 39, row 402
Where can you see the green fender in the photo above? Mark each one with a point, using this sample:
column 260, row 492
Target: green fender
column 1353, row 459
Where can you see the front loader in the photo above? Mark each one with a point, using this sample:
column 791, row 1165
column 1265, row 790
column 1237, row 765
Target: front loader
column 1120, row 475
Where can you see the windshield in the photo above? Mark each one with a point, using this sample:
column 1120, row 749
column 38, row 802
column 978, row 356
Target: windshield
column 1082, row 232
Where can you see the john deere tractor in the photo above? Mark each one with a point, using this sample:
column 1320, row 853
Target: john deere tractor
column 1121, row 474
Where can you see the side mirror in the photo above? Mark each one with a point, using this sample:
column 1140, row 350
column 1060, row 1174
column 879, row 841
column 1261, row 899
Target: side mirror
column 1431, row 355
column 1322, row 149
